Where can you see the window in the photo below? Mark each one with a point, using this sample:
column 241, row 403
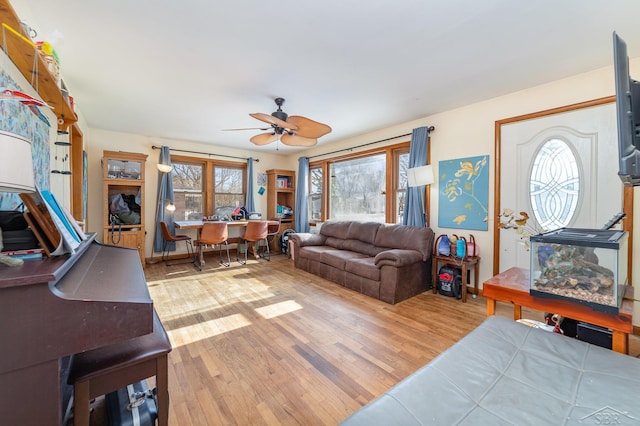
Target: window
column 554, row 185
column 358, row 189
column 402, row 165
column 316, row 183
column 367, row 186
column 192, row 177
column 229, row 187
column 188, row 191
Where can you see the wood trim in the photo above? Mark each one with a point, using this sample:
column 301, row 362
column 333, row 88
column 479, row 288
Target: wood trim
column 208, row 165
column 361, row 153
column 627, row 225
column 77, row 173
column 627, row 195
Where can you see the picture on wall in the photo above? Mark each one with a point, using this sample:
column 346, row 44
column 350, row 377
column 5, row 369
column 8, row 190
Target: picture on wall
column 262, row 179
column 463, row 193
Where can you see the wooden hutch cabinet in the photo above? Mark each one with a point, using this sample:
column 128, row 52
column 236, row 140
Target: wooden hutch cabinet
column 281, row 193
column 123, row 175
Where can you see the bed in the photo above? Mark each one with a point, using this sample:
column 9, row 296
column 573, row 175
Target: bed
column 507, row 373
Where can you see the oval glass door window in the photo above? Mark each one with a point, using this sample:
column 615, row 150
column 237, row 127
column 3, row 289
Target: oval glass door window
column 554, row 185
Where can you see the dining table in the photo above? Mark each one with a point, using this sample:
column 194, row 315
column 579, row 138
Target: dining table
column 236, row 227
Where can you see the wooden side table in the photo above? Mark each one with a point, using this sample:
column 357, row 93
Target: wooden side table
column 512, row 286
column 457, row 262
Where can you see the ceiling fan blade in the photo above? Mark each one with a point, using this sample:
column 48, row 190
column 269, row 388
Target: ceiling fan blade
column 308, row 128
column 273, row 120
column 264, row 138
column 247, row 128
column 295, row 140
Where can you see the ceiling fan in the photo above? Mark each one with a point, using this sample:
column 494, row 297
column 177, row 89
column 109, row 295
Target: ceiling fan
column 292, row 130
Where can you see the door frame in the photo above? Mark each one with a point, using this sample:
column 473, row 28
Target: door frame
column 627, row 223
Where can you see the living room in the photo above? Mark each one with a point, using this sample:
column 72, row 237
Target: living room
column 467, row 130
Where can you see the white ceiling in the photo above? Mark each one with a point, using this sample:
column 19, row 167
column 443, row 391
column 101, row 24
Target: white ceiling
column 188, row 69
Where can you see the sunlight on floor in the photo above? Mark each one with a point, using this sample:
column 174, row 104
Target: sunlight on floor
column 204, row 330
column 278, row 309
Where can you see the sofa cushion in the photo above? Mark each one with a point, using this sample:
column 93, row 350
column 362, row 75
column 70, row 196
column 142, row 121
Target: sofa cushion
column 364, row 267
column 314, row 252
column 338, row 258
column 362, row 231
column 335, row 242
column 406, row 237
column 336, row 229
column 361, row 247
column 347, row 230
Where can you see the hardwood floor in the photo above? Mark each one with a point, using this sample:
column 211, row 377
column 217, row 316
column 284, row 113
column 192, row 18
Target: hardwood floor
column 267, row 344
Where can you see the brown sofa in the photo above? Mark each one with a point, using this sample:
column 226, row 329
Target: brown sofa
column 388, row 262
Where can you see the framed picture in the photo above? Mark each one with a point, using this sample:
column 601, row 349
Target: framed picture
column 463, row 193
column 262, row 179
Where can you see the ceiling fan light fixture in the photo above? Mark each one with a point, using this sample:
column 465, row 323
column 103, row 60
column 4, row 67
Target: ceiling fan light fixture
column 280, row 115
column 290, row 130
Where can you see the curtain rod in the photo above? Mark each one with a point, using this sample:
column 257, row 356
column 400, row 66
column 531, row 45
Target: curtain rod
column 430, row 128
column 257, row 160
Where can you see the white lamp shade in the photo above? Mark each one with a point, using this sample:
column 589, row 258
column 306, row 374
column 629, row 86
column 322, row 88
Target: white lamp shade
column 16, row 165
column 420, row 176
column 165, row 168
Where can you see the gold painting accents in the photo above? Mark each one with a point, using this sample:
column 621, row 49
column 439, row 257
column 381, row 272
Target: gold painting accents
column 464, row 193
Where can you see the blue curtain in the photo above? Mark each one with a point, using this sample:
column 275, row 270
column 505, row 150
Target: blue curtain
column 301, row 213
column 165, row 196
column 414, row 205
column 250, row 204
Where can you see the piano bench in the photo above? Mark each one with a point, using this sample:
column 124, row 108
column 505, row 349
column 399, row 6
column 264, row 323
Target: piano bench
column 108, row 368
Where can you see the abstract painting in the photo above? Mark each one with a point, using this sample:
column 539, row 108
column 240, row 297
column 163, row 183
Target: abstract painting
column 463, row 193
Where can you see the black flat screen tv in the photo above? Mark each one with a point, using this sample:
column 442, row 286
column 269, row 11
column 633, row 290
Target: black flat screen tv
column 628, row 115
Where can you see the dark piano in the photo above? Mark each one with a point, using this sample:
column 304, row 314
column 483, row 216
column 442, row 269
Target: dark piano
column 59, row 306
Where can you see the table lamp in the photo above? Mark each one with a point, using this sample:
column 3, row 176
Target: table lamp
column 16, row 174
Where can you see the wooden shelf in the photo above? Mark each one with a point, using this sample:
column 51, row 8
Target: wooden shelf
column 126, row 235
column 21, row 51
column 280, row 191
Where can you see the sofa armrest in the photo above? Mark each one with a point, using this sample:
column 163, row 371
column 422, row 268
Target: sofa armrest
column 302, row 239
column 397, row 258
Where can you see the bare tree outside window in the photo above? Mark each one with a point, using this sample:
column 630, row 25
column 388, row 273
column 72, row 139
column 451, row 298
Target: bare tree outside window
column 187, row 191
column 358, row 189
column 192, row 177
column 401, row 186
column 228, row 187
column 365, row 186
column 315, row 193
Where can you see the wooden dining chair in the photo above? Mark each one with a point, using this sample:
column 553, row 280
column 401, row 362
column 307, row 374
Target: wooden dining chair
column 254, row 232
column 273, row 230
column 169, row 238
column 213, row 234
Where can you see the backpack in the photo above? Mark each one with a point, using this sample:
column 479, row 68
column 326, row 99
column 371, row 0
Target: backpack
column 450, row 282
column 284, row 240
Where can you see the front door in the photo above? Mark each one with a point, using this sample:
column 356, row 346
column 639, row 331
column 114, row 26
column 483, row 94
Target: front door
column 561, row 169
